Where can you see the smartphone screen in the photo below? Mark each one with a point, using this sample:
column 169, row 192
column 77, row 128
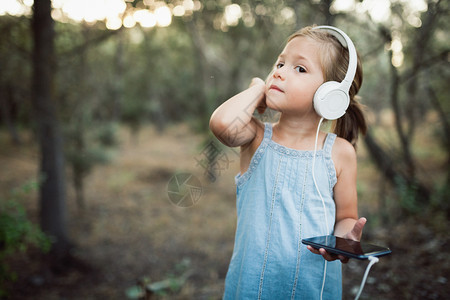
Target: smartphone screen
column 346, row 247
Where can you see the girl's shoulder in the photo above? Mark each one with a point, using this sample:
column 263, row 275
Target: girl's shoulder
column 343, row 155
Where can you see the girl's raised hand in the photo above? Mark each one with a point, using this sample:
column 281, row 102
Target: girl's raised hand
column 262, row 104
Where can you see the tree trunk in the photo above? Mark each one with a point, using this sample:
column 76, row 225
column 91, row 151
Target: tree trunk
column 394, row 172
column 325, row 9
column 52, row 196
column 78, row 182
column 6, row 103
column 396, row 107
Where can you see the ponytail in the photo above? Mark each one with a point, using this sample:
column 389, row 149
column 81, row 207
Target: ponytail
column 351, row 123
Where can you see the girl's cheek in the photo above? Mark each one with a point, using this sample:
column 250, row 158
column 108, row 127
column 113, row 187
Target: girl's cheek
column 268, row 83
column 269, row 77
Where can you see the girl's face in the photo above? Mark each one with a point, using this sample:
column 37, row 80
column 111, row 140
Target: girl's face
column 296, row 76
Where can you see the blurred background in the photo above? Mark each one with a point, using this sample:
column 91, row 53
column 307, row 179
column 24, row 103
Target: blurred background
column 111, row 185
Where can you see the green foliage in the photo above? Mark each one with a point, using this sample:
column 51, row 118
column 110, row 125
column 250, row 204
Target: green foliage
column 439, row 200
column 17, row 232
column 15, row 66
column 85, row 148
column 407, row 193
column 106, row 135
column 172, row 284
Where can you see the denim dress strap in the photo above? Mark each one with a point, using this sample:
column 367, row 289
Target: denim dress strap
column 327, row 147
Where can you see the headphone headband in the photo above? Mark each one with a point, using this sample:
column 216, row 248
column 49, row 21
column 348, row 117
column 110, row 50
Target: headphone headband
column 332, row 99
column 346, row 42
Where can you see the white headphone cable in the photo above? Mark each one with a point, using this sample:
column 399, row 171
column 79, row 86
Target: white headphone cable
column 323, row 202
column 314, row 176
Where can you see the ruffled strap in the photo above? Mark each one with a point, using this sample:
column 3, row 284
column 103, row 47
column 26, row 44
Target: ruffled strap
column 327, row 147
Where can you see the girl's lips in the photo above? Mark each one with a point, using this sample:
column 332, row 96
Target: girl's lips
column 276, row 88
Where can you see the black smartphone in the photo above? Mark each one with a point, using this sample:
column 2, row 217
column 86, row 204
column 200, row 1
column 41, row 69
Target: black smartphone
column 346, row 247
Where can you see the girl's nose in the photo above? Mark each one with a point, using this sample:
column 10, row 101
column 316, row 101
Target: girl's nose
column 278, row 73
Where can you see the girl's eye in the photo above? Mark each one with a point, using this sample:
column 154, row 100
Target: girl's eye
column 279, row 65
column 300, row 69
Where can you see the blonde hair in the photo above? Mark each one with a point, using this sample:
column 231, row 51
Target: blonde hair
column 334, row 63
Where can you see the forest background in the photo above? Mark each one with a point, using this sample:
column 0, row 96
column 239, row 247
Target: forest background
column 112, row 186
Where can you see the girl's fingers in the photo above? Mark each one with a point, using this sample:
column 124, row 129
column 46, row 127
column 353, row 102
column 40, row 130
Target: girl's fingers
column 328, row 256
column 343, row 259
column 323, row 252
column 356, row 232
column 313, row 250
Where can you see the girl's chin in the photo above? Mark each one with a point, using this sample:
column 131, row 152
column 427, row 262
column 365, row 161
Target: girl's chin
column 270, row 104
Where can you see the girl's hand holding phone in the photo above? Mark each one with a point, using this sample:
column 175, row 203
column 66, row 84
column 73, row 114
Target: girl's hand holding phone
column 354, row 234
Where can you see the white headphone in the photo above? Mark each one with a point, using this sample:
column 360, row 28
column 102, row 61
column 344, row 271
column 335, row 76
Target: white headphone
column 332, row 98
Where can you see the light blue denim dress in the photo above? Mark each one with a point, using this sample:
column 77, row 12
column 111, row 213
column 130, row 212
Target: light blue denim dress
column 278, row 206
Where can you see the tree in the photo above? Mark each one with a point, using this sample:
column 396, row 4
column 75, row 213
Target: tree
column 87, row 104
column 52, row 198
column 14, row 59
column 409, row 90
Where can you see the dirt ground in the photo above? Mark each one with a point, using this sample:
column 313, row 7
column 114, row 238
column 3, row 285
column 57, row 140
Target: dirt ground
column 136, row 230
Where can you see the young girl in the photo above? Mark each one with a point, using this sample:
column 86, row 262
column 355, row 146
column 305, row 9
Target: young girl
column 278, row 203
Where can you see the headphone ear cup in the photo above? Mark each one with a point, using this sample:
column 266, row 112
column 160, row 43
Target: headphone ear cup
column 330, row 101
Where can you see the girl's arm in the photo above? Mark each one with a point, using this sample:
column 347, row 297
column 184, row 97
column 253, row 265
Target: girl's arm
column 347, row 223
column 232, row 122
column 345, row 195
